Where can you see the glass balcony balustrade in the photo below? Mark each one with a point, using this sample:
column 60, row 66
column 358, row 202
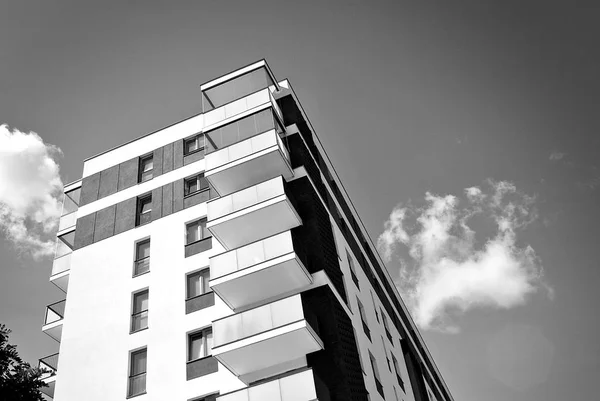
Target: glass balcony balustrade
column 49, row 366
column 252, row 214
column 53, row 320
column 264, row 337
column 258, row 271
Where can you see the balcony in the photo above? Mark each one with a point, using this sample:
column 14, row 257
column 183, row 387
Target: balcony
column 248, row 162
column 67, row 221
column 251, row 214
column 60, row 272
column 297, row 387
column 49, row 365
column 264, row 337
column 53, row 321
column 258, row 271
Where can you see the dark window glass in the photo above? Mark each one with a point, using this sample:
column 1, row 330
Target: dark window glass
column 195, row 231
column 137, row 373
column 142, row 257
column 195, row 144
column 197, row 283
column 195, row 184
column 139, row 317
column 146, row 166
column 144, row 210
column 200, row 344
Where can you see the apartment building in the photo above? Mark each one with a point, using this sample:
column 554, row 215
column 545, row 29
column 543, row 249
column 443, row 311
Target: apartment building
column 219, row 258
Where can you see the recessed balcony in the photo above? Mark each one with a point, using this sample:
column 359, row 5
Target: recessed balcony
column 258, row 271
column 251, row 214
column 296, row 387
column 60, row 272
column 265, row 337
column 248, row 162
column 53, row 321
column 49, row 365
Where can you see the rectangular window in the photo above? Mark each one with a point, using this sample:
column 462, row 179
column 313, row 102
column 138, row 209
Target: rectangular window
column 363, row 318
column 376, row 374
column 146, row 167
column 144, row 209
column 374, row 306
column 142, row 258
column 193, row 145
column 387, row 329
column 200, row 344
column 352, row 269
column 137, row 373
column 195, row 231
column 139, row 315
column 195, row 184
column 197, row 283
column 397, row 370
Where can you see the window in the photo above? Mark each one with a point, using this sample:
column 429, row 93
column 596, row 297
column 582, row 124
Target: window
column 200, row 344
column 146, row 166
column 144, row 209
column 197, row 283
column 363, row 317
column 376, row 374
column 193, row 145
column 374, row 306
column 139, row 315
column 397, row 370
column 387, row 358
column 195, row 231
column 387, row 329
column 195, row 184
column 352, row 269
column 142, row 258
column 137, row 373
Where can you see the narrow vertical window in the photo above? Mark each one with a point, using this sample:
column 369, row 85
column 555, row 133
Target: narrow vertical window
column 146, row 167
column 197, row 283
column 363, row 318
column 352, row 269
column 142, row 258
column 397, row 370
column 144, row 210
column 200, row 344
column 376, row 374
column 195, row 231
column 193, row 145
column 387, row 358
column 387, row 329
column 137, row 373
column 374, row 306
column 139, row 315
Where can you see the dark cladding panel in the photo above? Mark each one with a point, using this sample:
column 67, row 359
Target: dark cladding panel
column 156, row 203
column 167, row 158
column 109, row 180
column 125, row 215
column 128, row 173
column 178, row 154
column 105, row 223
column 178, row 196
column 201, row 367
column 84, row 231
column 195, row 199
column 167, row 199
column 193, row 157
column 157, row 162
column 89, row 189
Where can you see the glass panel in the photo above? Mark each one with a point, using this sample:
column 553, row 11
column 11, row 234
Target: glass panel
column 196, row 346
column 138, row 362
column 209, row 341
column 205, row 274
column 143, row 249
column 69, row 206
column 194, row 285
column 236, row 88
column 146, row 205
column 239, row 130
column 137, row 385
column 191, row 185
column 193, row 232
column 74, row 195
column 140, row 302
column 68, row 239
column 139, row 321
column 191, row 145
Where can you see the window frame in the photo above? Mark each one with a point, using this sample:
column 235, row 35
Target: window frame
column 196, row 139
column 137, row 258
column 201, row 236
column 141, row 173
column 198, row 178
column 131, row 375
column 135, row 314
column 204, row 337
column 201, row 272
column 140, row 204
column 363, row 317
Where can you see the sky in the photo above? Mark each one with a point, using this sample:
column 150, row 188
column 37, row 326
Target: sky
column 473, row 124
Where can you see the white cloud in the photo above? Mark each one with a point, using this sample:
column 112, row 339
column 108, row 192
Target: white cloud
column 30, row 191
column 556, row 156
column 447, row 272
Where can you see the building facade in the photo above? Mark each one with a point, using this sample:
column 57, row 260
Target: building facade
column 220, row 258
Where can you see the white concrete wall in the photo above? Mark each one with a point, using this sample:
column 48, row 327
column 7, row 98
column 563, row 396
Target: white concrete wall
column 93, row 363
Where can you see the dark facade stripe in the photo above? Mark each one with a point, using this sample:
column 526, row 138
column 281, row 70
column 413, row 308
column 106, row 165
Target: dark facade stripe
column 178, row 196
column 167, row 158
column 193, row 158
column 201, row 367
column 125, row 216
column 156, row 203
column 167, row 201
column 109, row 180
column 195, row 199
column 197, row 247
column 128, row 173
column 200, row 302
column 84, row 231
column 105, row 223
column 178, row 154
column 89, row 189
column 157, row 162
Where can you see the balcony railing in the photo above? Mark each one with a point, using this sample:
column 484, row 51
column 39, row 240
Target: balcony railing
column 264, row 337
column 67, row 221
column 258, row 271
column 49, row 364
column 251, row 214
column 296, row 387
column 236, row 107
column 55, row 312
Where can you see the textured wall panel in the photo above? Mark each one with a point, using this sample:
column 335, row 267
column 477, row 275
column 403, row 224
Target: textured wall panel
column 178, row 195
column 200, row 302
column 128, row 173
column 201, row 367
column 195, row 199
column 84, row 231
column 157, row 162
column 89, row 189
column 125, row 215
column 178, row 154
column 167, row 158
column 156, row 203
column 167, row 199
column 105, row 223
column 198, row 246
column 109, row 180
column 193, row 157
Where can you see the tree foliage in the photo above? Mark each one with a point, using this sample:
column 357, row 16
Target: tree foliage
column 18, row 380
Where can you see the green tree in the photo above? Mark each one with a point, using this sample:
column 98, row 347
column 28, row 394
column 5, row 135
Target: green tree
column 18, row 380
